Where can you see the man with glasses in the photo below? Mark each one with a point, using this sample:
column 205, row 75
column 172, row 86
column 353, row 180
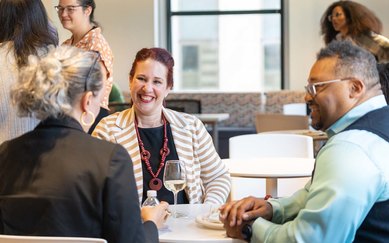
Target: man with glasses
column 347, row 199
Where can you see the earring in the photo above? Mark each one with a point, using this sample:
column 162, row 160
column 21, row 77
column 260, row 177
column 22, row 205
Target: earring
column 82, row 118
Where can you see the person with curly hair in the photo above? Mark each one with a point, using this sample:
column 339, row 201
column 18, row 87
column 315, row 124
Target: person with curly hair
column 353, row 21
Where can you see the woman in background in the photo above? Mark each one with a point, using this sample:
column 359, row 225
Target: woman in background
column 77, row 16
column 25, row 30
column 153, row 134
column 353, row 21
column 57, row 180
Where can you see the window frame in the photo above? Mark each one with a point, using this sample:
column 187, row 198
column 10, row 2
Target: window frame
column 170, row 14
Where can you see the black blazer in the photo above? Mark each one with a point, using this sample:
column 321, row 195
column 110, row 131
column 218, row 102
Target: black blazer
column 59, row 181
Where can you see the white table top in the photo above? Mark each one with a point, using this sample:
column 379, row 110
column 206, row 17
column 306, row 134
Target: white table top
column 186, row 230
column 270, row 167
column 316, row 135
column 212, row 117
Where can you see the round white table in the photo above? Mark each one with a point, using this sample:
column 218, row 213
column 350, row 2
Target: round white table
column 186, row 230
column 271, row 169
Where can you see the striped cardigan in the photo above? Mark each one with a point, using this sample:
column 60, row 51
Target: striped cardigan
column 208, row 180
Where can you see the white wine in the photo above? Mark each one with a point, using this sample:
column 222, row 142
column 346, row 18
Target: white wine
column 175, row 185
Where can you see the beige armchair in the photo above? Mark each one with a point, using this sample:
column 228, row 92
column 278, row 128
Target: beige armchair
column 265, row 122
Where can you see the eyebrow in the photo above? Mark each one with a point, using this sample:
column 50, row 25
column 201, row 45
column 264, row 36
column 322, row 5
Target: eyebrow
column 144, row 75
column 313, row 79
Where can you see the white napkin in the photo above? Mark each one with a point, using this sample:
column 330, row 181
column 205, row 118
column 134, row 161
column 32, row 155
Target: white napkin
column 214, row 217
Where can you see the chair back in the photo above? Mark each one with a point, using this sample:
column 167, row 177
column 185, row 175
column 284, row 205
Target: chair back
column 265, row 122
column 268, row 145
column 190, row 106
column 271, row 145
column 295, row 109
column 47, row 239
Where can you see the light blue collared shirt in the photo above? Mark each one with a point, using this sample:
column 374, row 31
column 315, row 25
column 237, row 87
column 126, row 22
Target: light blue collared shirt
column 351, row 174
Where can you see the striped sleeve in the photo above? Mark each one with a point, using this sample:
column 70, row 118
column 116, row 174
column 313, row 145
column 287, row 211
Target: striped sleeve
column 103, row 129
column 110, row 130
column 214, row 173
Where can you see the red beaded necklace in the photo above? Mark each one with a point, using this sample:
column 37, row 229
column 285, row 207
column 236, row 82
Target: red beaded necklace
column 155, row 183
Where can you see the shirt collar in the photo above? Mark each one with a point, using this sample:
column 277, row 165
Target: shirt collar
column 355, row 113
column 127, row 117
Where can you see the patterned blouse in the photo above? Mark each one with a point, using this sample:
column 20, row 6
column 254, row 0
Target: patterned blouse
column 95, row 41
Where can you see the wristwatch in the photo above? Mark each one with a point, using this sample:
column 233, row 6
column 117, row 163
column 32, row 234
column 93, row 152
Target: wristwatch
column 247, row 232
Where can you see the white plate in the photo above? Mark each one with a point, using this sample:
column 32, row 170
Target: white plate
column 203, row 220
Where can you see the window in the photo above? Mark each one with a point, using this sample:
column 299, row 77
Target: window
column 226, row 45
column 191, row 62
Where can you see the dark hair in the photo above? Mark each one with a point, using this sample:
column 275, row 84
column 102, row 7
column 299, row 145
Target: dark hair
column 383, row 71
column 352, row 61
column 25, row 23
column 360, row 20
column 92, row 4
column 158, row 54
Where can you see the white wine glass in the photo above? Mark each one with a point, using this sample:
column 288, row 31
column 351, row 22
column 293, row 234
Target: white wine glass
column 174, row 179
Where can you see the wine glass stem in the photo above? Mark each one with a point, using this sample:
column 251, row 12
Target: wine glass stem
column 175, row 203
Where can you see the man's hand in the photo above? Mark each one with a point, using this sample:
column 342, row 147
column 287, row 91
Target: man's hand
column 235, row 213
column 236, row 231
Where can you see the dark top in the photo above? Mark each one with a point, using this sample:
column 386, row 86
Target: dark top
column 153, row 140
column 59, row 181
column 375, row 227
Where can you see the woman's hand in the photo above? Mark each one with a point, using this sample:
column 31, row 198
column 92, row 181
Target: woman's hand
column 158, row 214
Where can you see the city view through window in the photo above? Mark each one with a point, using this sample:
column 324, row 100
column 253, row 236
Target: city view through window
column 226, row 45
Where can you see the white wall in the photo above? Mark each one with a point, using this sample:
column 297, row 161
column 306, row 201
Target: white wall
column 128, row 25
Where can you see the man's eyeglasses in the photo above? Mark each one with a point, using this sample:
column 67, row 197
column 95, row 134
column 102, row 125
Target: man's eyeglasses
column 311, row 88
column 337, row 15
column 69, row 9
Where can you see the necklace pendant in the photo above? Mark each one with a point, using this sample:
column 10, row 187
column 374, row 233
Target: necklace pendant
column 155, row 184
column 145, row 155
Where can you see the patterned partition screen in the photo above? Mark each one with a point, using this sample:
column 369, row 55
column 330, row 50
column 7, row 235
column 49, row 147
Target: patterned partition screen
column 242, row 107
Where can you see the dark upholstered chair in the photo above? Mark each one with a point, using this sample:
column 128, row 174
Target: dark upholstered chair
column 190, row 106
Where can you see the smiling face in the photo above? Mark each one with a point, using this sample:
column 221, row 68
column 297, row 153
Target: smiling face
column 332, row 100
column 339, row 20
column 73, row 16
column 148, row 87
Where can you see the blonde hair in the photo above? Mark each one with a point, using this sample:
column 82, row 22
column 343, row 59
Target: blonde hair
column 51, row 85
